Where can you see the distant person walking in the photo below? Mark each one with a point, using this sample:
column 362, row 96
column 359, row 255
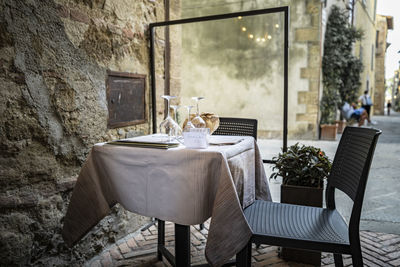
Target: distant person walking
column 388, row 105
column 366, row 102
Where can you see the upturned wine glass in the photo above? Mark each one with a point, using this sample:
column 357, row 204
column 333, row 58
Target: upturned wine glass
column 175, row 108
column 168, row 127
column 189, row 125
column 197, row 121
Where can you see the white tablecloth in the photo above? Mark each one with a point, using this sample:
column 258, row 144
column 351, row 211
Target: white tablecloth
column 185, row 186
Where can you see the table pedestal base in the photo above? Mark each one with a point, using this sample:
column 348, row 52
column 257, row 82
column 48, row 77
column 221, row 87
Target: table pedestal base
column 182, row 246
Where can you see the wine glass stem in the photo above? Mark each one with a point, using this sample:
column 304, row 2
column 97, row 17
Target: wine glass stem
column 175, row 114
column 167, row 107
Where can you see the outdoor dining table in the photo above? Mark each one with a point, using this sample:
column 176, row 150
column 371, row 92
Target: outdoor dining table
column 181, row 185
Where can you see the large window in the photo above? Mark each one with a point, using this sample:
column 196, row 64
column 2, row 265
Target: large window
column 236, row 62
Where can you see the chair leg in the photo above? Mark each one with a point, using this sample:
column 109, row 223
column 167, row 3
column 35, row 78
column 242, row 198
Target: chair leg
column 338, row 260
column 243, row 258
column 357, row 258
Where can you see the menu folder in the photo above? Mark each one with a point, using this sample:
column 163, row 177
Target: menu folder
column 137, row 143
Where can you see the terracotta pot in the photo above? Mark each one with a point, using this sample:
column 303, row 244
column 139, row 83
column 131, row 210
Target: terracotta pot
column 341, row 125
column 329, row 131
column 306, row 196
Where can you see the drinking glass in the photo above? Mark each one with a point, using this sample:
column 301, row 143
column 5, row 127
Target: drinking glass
column 168, row 127
column 197, row 121
column 175, row 108
column 189, row 125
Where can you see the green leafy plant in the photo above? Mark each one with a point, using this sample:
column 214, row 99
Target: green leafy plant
column 340, row 69
column 396, row 103
column 302, row 166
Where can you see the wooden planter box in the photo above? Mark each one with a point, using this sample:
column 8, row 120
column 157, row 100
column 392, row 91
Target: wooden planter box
column 328, row 132
column 306, row 196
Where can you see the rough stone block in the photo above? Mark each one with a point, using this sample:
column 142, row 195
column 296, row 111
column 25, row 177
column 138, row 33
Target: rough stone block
column 313, row 87
column 8, row 202
column 128, row 33
column 313, row 6
column 307, row 35
column 79, row 16
column 67, row 184
column 312, row 118
column 309, row 73
column 315, row 20
column 314, row 56
column 307, row 98
column 312, row 109
column 63, row 11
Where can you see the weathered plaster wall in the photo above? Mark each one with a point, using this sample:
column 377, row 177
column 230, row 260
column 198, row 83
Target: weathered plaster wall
column 382, row 28
column 240, row 77
column 171, row 86
column 364, row 18
column 53, row 58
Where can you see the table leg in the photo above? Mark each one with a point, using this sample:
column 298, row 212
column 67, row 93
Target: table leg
column 182, row 245
column 161, row 238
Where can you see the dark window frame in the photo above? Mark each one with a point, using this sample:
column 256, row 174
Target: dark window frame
column 283, row 9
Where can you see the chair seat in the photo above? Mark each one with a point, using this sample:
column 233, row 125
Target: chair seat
column 292, row 222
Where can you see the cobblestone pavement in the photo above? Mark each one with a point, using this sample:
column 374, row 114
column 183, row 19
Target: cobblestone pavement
column 139, row 250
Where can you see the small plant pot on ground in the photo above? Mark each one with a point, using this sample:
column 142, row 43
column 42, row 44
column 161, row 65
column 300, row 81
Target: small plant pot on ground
column 329, row 132
column 341, row 125
column 306, row 196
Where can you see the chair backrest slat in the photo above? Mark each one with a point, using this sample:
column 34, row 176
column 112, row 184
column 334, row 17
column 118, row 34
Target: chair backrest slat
column 352, row 161
column 237, row 126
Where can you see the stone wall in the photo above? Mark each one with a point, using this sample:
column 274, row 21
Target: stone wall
column 54, row 56
column 382, row 31
column 242, row 76
column 364, row 19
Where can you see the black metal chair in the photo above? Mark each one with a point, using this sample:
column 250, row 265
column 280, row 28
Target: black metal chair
column 320, row 229
column 237, row 126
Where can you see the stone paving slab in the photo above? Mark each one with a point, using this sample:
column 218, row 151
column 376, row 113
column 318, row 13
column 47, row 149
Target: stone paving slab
column 139, row 250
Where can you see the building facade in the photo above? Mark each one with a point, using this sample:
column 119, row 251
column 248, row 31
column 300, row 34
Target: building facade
column 383, row 24
column 364, row 18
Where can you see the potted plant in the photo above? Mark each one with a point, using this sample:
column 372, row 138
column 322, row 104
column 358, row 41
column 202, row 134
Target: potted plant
column 340, row 70
column 303, row 170
column 328, row 107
